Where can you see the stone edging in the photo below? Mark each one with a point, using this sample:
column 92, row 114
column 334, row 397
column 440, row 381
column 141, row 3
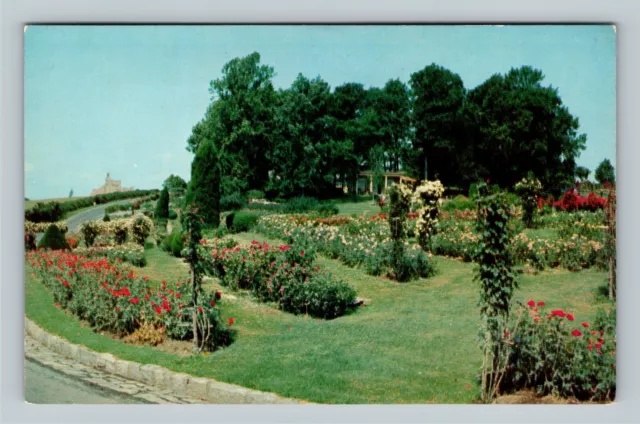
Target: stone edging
column 179, row 383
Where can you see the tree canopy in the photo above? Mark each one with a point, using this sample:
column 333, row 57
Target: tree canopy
column 304, row 139
column 605, row 173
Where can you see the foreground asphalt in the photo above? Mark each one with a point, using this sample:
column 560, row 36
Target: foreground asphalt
column 51, row 378
column 95, row 213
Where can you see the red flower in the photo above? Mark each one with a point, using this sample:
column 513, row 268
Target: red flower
column 212, row 303
column 135, row 300
column 66, row 284
column 57, row 305
column 590, row 347
column 598, row 345
column 488, row 180
column 585, row 325
column 540, row 303
column 284, row 248
column 218, row 295
column 558, row 313
column 570, row 317
column 537, row 319
column 158, row 310
column 302, row 253
column 117, row 309
column 200, row 310
column 178, row 295
column 231, row 321
column 577, row 333
column 506, row 334
column 531, row 303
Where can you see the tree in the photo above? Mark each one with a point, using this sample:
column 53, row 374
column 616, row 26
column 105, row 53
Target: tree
column 582, row 173
column 175, row 184
column 518, row 125
column 53, row 239
column 203, row 190
column 71, row 193
column 162, row 204
column 437, row 98
column 301, row 152
column 605, row 173
column 240, row 118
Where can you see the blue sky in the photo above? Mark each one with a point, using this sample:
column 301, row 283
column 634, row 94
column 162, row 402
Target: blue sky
column 123, row 99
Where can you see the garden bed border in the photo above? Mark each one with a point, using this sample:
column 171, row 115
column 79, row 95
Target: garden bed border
column 179, row 383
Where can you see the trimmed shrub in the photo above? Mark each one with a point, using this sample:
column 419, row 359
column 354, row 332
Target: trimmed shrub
column 244, row 221
column 327, row 209
column 106, row 217
column 203, row 190
column 162, row 205
column 458, row 203
column 229, row 220
column 177, row 243
column 53, row 239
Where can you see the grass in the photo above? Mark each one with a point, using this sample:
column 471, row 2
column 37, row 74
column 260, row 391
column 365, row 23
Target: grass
column 365, row 207
column 415, row 342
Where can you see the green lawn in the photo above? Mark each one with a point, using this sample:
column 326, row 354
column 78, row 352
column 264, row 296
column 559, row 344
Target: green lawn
column 415, row 343
column 358, row 208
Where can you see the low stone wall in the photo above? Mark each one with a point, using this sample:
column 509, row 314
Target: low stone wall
column 179, row 383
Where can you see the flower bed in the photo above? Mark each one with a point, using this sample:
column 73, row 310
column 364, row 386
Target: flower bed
column 554, row 353
column 111, row 298
column 282, row 274
column 128, row 252
column 356, row 242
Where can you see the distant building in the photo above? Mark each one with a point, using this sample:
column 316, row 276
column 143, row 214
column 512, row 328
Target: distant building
column 110, row 186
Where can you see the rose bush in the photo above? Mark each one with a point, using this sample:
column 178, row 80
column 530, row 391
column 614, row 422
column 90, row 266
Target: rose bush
column 110, row 297
column 553, row 352
column 282, row 274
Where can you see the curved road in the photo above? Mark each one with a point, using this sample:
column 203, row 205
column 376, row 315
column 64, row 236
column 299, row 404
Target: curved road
column 97, row 212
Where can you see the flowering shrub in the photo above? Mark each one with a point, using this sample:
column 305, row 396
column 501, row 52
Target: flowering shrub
column 128, row 252
column 141, row 226
column 110, row 297
column 41, row 227
column 283, row 274
column 553, row 352
column 572, row 201
column 90, row 230
column 427, row 195
column 528, row 189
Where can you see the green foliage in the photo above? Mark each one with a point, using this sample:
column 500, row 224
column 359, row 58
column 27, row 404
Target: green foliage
column 162, row 205
column 529, row 189
column 174, row 242
column 557, row 354
column 605, row 173
column 203, row 191
column 242, row 221
column 53, row 239
column 255, row 194
column 175, row 184
column 106, row 217
column 582, row 173
column 516, row 125
column 438, row 95
column 90, row 230
column 300, row 204
column 327, row 209
column 232, row 202
column 459, row 203
column 141, row 227
column 118, row 207
column 173, row 214
column 497, row 283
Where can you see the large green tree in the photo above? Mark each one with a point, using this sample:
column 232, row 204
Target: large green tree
column 605, row 173
column 519, row 125
column 175, row 184
column 240, row 121
column 162, row 204
column 203, row 190
column 301, row 153
column 437, row 95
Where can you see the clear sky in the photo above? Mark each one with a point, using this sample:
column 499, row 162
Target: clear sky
column 123, row 99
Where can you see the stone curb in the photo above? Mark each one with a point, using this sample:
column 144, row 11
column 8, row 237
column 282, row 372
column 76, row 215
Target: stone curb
column 154, row 375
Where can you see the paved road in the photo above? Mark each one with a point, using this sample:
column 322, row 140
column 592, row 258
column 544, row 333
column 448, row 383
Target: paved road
column 53, row 378
column 45, row 385
column 95, row 213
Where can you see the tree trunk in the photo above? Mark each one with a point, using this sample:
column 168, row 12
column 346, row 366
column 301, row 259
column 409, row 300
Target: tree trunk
column 425, row 167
